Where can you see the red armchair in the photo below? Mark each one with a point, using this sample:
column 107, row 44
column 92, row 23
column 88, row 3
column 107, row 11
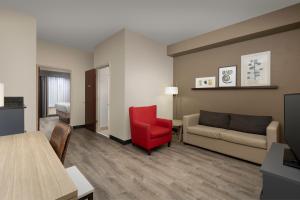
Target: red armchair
column 147, row 130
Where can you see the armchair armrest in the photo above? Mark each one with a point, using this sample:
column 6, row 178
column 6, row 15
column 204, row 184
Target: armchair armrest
column 164, row 123
column 272, row 133
column 141, row 128
column 190, row 120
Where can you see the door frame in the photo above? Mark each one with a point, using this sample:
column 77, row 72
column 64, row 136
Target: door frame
column 51, row 68
column 109, row 95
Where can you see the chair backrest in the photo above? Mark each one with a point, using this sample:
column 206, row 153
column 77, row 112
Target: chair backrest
column 60, row 139
column 146, row 114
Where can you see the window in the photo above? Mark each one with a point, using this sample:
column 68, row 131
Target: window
column 58, row 90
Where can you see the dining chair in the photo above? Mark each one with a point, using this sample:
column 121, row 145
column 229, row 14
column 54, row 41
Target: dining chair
column 60, row 139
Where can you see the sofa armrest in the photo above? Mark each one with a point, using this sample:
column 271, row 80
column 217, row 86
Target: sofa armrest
column 272, row 133
column 190, row 120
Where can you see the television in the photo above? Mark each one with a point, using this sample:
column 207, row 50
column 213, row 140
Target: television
column 292, row 130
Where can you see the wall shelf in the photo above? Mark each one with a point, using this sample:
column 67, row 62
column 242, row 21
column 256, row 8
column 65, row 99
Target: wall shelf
column 271, row 87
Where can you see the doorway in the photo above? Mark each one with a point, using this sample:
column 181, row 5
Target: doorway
column 103, row 92
column 54, row 95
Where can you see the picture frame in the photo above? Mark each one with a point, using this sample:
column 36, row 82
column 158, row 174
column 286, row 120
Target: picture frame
column 227, row 76
column 256, row 69
column 205, row 82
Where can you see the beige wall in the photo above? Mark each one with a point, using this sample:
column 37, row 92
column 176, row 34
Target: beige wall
column 112, row 52
column 285, row 70
column 148, row 70
column 139, row 72
column 18, row 60
column 77, row 62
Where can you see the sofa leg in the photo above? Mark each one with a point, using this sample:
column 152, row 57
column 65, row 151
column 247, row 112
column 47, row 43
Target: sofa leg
column 169, row 144
column 149, row 152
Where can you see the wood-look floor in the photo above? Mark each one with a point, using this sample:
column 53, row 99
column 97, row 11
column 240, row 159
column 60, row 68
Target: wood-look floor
column 180, row 172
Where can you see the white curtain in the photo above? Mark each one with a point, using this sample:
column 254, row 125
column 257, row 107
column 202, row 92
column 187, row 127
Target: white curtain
column 58, row 90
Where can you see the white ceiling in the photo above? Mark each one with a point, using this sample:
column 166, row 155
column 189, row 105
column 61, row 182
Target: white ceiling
column 85, row 23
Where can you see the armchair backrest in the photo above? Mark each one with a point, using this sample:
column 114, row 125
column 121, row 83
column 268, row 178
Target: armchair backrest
column 146, row 114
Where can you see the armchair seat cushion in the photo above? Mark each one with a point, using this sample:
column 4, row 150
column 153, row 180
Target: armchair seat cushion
column 248, row 139
column 206, row 131
column 158, row 131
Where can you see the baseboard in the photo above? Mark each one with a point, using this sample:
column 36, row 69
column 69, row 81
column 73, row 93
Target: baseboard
column 78, row 126
column 54, row 115
column 124, row 142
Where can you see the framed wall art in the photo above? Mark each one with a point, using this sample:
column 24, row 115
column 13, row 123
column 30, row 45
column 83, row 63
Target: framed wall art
column 205, row 82
column 227, row 76
column 256, row 69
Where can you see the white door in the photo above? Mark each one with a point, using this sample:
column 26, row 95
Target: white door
column 103, row 101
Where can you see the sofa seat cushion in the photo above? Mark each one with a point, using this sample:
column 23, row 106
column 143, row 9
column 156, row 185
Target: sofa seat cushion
column 158, row 131
column 206, row 131
column 248, row 139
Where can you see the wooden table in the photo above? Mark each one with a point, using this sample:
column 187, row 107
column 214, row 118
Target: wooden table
column 30, row 170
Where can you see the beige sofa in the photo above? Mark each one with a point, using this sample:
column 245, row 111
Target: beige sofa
column 242, row 145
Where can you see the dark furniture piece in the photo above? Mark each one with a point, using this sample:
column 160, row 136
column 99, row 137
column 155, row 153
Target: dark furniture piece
column 292, row 129
column 279, row 181
column 12, row 116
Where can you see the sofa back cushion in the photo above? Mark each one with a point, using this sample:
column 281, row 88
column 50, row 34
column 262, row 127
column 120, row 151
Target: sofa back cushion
column 214, row 119
column 249, row 123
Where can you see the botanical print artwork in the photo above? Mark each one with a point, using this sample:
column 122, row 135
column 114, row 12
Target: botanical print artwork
column 227, row 76
column 255, row 69
column 205, row 82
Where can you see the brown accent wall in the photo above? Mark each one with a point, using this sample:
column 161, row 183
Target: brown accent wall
column 285, row 72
